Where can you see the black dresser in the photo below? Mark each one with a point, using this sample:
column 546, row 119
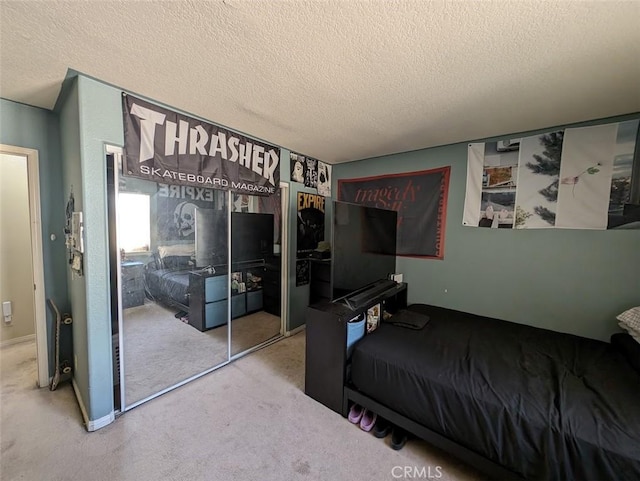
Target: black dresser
column 271, row 285
column 132, row 273
column 320, row 280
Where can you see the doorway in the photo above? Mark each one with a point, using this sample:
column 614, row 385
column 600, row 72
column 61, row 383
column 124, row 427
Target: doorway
column 22, row 277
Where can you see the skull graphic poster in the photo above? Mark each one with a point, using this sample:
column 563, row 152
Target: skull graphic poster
column 311, row 173
column 176, row 211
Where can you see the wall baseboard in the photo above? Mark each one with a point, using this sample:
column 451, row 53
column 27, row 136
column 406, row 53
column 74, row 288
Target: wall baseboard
column 17, row 340
column 295, row 331
column 91, row 425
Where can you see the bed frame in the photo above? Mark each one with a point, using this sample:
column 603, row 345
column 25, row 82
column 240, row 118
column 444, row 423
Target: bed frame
column 327, row 379
column 486, row 466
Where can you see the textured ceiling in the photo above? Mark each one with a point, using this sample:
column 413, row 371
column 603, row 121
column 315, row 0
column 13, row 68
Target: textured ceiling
column 339, row 80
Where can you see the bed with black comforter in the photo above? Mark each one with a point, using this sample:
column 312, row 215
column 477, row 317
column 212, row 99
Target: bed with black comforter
column 170, row 286
column 542, row 404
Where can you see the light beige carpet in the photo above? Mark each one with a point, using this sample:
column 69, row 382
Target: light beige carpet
column 249, row 420
column 160, row 351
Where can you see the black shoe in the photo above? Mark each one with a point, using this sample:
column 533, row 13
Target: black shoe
column 382, row 428
column 398, row 438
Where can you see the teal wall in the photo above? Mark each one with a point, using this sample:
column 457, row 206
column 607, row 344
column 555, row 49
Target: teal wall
column 72, row 180
column 573, row 281
column 91, row 116
column 566, row 280
column 87, row 109
column 34, row 128
column 100, row 124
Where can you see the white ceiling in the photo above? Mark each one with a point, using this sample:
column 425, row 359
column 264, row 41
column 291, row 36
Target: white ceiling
column 339, row 80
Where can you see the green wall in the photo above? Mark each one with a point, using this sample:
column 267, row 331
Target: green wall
column 91, row 116
column 573, row 281
column 566, row 280
column 87, row 109
column 34, row 128
column 72, row 181
column 99, row 105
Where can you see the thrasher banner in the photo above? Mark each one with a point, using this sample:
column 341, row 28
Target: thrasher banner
column 164, row 146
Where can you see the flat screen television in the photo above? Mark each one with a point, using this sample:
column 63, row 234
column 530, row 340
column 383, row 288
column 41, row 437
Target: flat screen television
column 211, row 237
column 363, row 243
column 251, row 236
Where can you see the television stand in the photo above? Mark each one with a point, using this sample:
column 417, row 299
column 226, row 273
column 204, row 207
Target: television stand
column 326, row 344
column 364, row 296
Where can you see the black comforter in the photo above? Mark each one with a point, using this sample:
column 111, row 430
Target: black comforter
column 169, row 285
column 543, row 404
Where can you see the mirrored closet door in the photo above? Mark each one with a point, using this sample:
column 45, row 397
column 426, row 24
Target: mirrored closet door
column 256, row 235
column 172, row 258
column 195, row 278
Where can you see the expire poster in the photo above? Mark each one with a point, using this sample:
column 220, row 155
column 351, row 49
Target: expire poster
column 310, row 223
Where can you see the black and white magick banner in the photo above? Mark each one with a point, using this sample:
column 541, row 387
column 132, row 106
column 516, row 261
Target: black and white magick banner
column 164, row 146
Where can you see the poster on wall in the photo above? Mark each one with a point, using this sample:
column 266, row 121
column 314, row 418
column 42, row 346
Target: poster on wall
column 164, row 146
column 576, row 178
column 324, row 179
column 302, row 272
column 419, row 198
column 298, row 168
column 311, row 173
column 310, row 225
column 175, row 211
column 305, row 170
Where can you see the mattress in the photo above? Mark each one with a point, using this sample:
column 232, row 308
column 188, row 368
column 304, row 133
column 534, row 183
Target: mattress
column 545, row 405
column 169, row 284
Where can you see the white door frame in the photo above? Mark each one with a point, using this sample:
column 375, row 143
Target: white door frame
column 284, row 256
column 33, row 179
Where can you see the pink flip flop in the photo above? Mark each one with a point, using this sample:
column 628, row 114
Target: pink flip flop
column 368, row 420
column 355, row 413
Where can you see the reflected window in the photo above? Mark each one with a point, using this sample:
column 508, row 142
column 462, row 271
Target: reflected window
column 134, row 226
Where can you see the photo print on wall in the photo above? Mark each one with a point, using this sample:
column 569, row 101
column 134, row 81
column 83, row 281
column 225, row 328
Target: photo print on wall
column 311, row 173
column 298, row 168
column 577, row 178
column 324, row 179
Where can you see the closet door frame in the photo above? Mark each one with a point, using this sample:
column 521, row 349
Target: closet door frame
column 117, row 153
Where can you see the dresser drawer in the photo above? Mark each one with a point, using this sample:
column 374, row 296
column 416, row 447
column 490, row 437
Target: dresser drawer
column 132, row 299
column 132, row 270
column 215, row 288
column 215, row 314
column 254, row 301
column 238, row 306
column 131, row 285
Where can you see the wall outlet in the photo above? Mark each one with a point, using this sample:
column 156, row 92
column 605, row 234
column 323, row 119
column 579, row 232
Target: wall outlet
column 6, row 311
